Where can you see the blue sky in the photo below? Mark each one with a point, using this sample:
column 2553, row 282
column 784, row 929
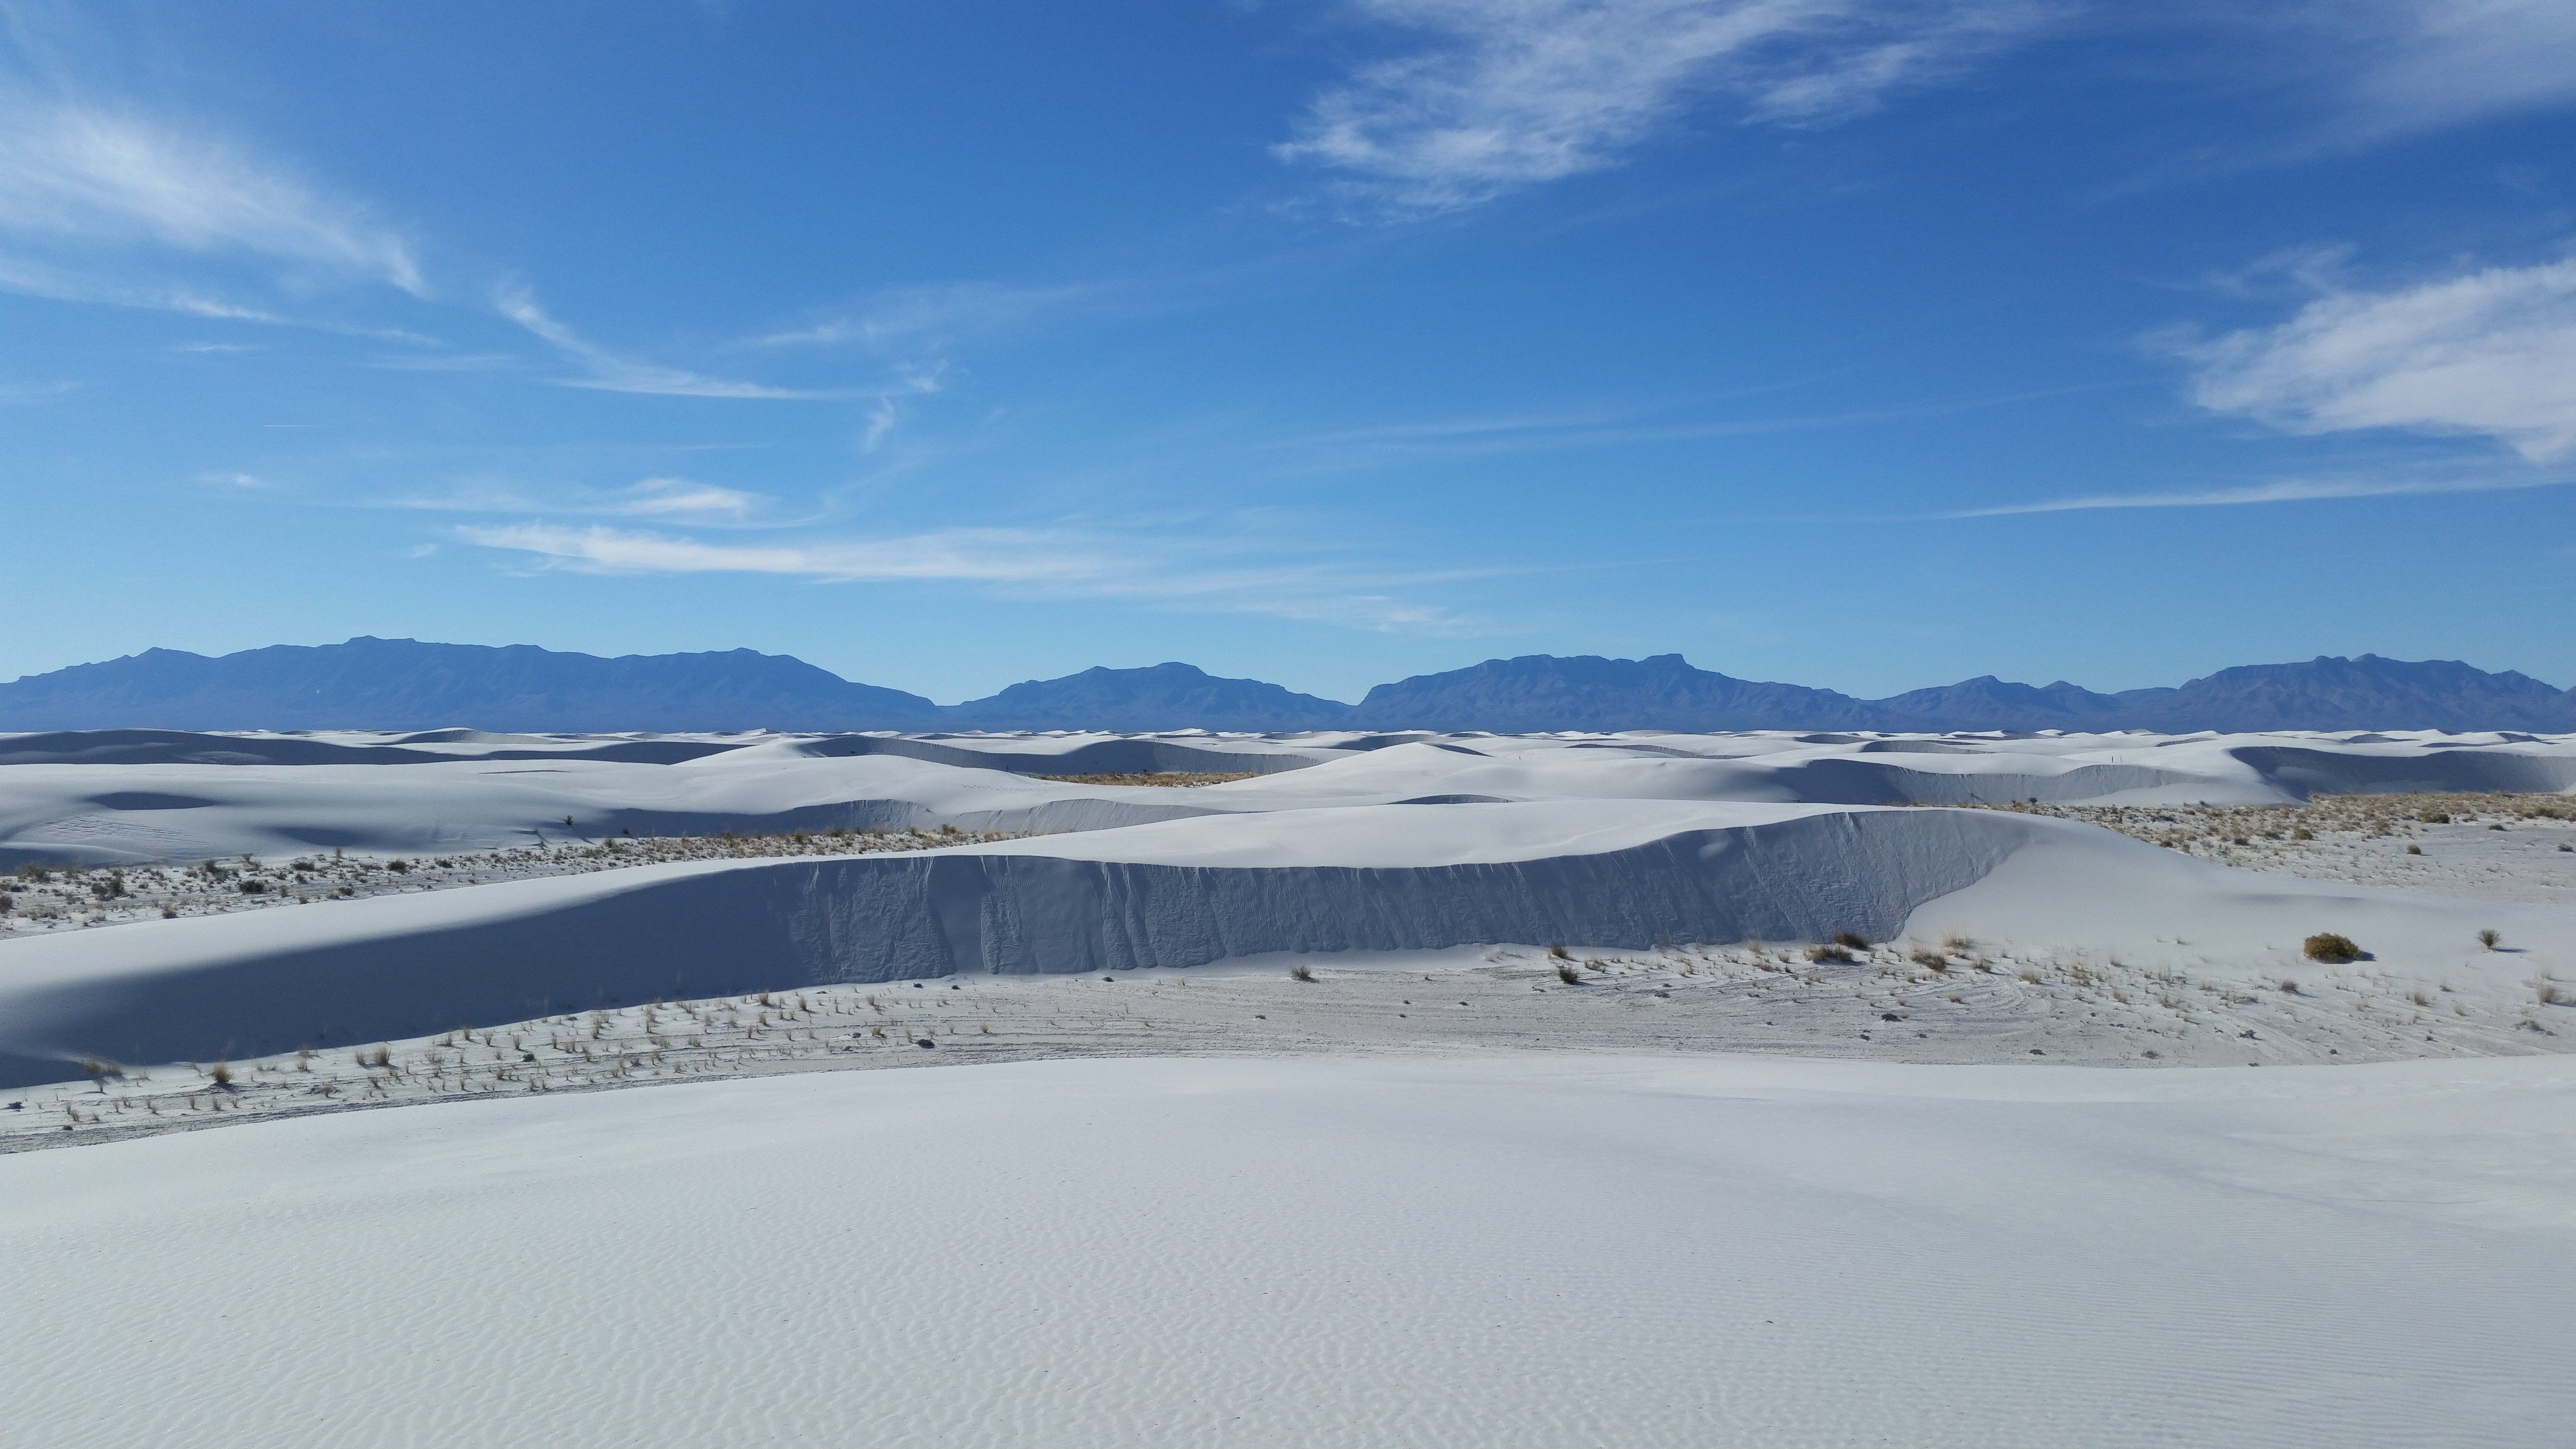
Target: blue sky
column 1868, row 345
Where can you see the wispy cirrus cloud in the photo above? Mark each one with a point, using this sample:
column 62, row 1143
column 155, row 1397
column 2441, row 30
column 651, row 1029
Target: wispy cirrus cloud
column 1512, row 93
column 682, row 500
column 2292, row 490
column 607, row 371
column 2418, row 65
column 1046, row 562
column 938, row 313
column 88, row 176
column 2487, row 353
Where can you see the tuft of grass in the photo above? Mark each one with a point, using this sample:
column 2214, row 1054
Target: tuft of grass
column 2490, row 938
column 2333, row 949
column 221, row 1074
column 1851, row 940
column 99, row 1070
column 1832, row 951
column 1301, row 972
column 1559, row 953
column 1566, row 973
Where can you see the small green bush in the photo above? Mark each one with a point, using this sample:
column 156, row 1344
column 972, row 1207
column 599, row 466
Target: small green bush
column 2330, row 948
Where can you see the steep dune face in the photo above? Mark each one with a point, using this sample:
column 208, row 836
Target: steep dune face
column 2302, row 772
column 402, row 966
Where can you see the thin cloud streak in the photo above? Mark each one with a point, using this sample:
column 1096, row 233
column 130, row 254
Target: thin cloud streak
column 1049, row 562
column 2301, row 490
column 608, row 372
column 665, row 498
column 938, row 313
column 1488, row 436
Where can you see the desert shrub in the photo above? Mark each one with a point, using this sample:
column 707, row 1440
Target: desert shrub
column 252, row 887
column 2490, row 939
column 2330, row 948
column 2414, row 850
column 1828, row 952
column 7, row 903
column 1931, row 959
column 1566, row 973
column 1301, row 972
column 221, row 1074
column 1851, row 940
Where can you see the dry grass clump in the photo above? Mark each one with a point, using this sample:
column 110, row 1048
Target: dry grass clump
column 2490, row 939
column 1301, row 972
column 1830, row 951
column 1566, row 973
column 2330, row 948
column 2218, row 828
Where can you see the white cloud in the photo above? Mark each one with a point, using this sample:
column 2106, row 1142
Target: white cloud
column 90, row 176
column 981, row 555
column 681, row 498
column 2490, row 353
column 887, row 410
column 2296, row 490
column 938, row 313
column 2430, row 63
column 608, row 372
column 1051, row 562
column 1515, row 92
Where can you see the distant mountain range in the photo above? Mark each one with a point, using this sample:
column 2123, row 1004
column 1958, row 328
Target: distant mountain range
column 402, row 684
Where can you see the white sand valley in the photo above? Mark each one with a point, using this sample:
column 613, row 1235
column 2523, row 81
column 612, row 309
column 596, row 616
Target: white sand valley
column 1517, row 1251
column 1411, row 1089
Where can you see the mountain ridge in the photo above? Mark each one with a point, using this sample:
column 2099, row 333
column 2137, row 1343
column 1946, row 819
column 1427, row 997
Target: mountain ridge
column 399, row 684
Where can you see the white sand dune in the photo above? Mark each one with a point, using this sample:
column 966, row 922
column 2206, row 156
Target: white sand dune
column 1180, row 894
column 1189, row 893
column 131, row 795
column 1526, row 1251
column 1617, row 842
column 1399, row 1197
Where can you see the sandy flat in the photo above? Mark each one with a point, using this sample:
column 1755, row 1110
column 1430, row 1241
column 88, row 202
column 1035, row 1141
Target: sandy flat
column 1518, row 1251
